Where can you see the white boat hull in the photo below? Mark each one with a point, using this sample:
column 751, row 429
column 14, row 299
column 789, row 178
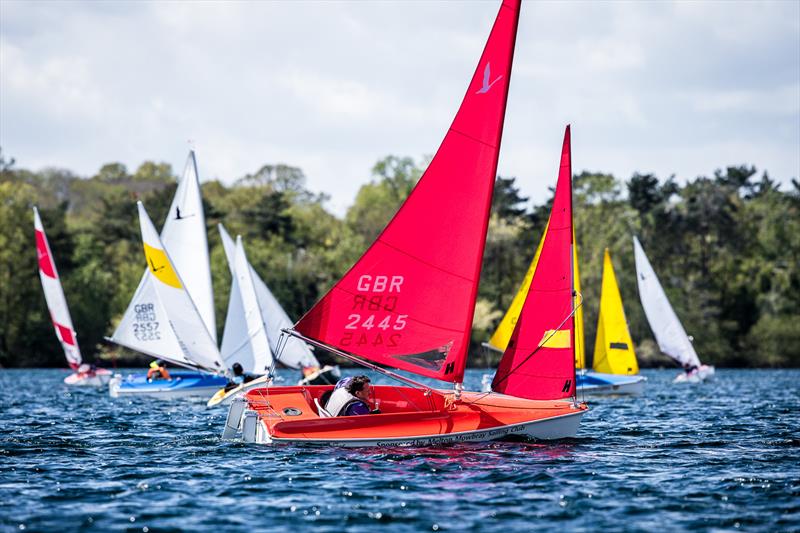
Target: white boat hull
column 636, row 388
column 704, row 373
column 99, row 379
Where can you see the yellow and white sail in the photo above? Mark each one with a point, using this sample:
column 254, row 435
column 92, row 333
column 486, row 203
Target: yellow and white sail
column 186, row 325
column 505, row 329
column 144, row 326
column 613, row 347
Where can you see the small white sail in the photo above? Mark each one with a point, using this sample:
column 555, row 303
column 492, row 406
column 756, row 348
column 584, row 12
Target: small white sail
column 236, row 346
column 256, row 329
column 54, row 294
column 195, row 341
column 294, row 353
column 669, row 333
column 144, row 326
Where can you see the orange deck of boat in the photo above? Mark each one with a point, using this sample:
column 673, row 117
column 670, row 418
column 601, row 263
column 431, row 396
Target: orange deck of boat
column 289, row 413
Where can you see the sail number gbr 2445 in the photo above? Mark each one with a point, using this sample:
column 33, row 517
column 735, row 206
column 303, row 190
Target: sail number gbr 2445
column 373, row 320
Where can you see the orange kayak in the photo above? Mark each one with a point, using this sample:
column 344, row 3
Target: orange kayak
column 408, row 417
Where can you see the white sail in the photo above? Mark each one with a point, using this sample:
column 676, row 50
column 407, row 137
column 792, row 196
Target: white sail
column 236, row 346
column 669, row 333
column 144, row 326
column 54, row 294
column 256, row 329
column 184, row 235
column 194, row 339
column 294, row 353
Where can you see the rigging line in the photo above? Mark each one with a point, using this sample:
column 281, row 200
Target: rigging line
column 508, row 374
column 357, row 359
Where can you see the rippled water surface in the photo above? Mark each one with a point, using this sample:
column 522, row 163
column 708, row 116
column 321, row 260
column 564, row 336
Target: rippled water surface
column 718, row 456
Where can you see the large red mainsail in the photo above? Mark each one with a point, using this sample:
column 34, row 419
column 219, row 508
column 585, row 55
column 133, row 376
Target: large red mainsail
column 408, row 302
column 539, row 362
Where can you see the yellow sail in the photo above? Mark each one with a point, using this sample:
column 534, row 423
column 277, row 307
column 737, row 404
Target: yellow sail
column 580, row 350
column 504, row 331
column 613, row 348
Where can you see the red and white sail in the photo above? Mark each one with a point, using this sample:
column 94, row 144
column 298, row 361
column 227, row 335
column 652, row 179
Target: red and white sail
column 408, row 302
column 539, row 362
column 54, row 294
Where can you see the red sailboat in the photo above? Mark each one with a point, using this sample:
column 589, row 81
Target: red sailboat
column 408, row 303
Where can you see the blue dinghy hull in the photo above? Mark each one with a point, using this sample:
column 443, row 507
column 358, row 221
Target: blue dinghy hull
column 182, row 385
column 597, row 383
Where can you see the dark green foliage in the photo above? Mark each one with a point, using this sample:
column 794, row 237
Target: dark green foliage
column 726, row 249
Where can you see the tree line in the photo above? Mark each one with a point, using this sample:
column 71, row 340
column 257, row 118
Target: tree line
column 726, row 248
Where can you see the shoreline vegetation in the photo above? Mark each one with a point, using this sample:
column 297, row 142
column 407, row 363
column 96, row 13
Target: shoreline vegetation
column 726, row 248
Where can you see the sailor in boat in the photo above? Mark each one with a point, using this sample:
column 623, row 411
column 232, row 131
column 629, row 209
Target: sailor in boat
column 314, row 375
column 350, row 397
column 87, row 371
column 689, row 368
column 240, row 377
column 158, row 370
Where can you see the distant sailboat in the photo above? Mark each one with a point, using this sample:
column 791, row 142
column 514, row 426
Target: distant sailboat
column 668, row 330
column 147, row 327
column 83, row 374
column 408, row 304
column 615, row 367
column 253, row 328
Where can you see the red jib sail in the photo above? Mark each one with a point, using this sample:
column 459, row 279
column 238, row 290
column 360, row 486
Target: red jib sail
column 408, row 302
column 539, row 362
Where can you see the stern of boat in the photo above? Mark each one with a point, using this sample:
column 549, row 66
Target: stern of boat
column 243, row 424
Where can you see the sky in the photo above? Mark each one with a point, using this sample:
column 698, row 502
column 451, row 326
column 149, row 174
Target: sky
column 332, row 86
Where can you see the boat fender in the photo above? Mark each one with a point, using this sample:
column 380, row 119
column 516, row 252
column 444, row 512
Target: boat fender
column 250, row 427
column 234, row 420
column 339, row 401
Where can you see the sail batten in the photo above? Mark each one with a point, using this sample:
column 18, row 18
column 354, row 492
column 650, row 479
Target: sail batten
column 408, row 302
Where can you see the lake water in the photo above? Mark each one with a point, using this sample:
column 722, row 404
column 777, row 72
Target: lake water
column 721, row 456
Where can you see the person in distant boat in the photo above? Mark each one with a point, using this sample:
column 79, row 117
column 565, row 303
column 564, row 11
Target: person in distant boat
column 689, row 368
column 86, row 370
column 239, row 377
column 350, row 397
column 158, row 370
column 314, row 375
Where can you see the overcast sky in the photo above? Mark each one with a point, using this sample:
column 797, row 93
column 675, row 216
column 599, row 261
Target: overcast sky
column 665, row 87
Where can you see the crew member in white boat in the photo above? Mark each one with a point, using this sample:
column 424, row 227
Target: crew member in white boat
column 689, row 368
column 350, row 397
column 239, row 377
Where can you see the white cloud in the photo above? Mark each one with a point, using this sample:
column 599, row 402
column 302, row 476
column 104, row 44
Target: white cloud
column 332, row 86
